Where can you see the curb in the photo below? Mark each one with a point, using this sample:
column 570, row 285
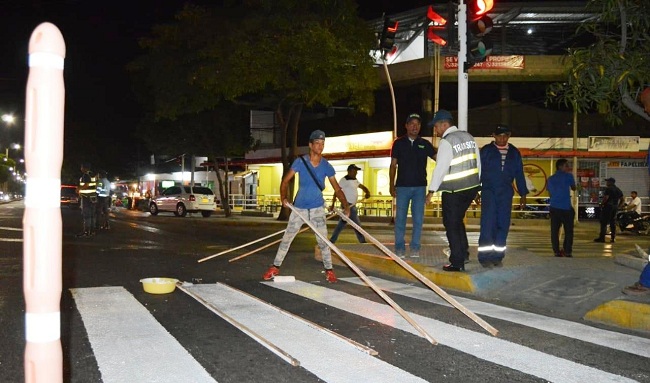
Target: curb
column 387, row 266
column 626, row 314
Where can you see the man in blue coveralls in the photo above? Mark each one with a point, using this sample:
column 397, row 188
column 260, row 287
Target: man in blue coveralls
column 501, row 163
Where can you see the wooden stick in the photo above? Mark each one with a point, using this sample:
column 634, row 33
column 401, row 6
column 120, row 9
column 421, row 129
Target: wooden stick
column 260, row 339
column 241, row 246
column 313, row 325
column 365, row 278
column 272, row 243
column 421, row 277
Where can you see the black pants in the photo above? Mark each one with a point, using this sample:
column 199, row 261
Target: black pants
column 454, row 207
column 559, row 218
column 608, row 216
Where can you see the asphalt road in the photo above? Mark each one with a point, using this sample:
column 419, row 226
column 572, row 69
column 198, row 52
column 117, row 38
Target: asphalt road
column 140, row 246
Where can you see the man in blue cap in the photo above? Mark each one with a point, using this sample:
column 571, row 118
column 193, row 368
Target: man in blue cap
column 409, row 162
column 457, row 175
column 612, row 199
column 313, row 169
column 501, row 163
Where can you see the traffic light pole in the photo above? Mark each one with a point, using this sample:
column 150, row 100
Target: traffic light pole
column 462, row 72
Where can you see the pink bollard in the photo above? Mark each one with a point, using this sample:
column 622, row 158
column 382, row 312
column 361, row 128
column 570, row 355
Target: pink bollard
column 42, row 220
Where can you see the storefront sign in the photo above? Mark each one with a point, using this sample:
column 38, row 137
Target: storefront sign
column 627, row 164
column 492, row 62
column 359, row 142
column 613, row 143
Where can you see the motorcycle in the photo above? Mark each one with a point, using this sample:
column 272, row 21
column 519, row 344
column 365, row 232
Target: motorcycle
column 538, row 210
column 632, row 222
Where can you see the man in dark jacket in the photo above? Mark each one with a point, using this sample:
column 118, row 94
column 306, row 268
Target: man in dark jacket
column 612, row 199
column 501, row 163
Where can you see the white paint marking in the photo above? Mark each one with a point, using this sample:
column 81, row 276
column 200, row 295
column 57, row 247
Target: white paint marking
column 331, row 359
column 614, row 340
column 129, row 344
column 482, row 346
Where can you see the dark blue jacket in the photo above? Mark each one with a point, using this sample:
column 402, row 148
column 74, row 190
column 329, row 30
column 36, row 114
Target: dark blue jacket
column 492, row 177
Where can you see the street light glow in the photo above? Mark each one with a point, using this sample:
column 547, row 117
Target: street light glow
column 8, row 118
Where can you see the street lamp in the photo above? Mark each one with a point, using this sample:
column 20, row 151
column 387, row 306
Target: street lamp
column 8, row 118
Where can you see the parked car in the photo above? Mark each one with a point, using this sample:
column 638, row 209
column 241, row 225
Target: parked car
column 69, row 196
column 184, row 199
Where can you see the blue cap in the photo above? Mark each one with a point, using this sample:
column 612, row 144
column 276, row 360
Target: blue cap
column 317, row 135
column 440, row 115
column 502, row 129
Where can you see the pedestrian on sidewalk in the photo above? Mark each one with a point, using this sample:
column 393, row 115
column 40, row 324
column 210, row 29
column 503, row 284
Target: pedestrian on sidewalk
column 561, row 210
column 501, row 164
column 457, row 175
column 349, row 184
column 612, row 199
column 409, row 162
column 313, row 169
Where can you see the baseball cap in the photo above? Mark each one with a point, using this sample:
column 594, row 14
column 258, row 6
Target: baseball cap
column 413, row 116
column 317, row 135
column 610, row 179
column 502, row 129
column 440, row 115
column 353, row 166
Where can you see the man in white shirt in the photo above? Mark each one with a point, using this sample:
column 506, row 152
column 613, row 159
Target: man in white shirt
column 631, row 211
column 349, row 184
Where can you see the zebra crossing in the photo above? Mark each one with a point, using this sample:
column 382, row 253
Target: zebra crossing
column 125, row 337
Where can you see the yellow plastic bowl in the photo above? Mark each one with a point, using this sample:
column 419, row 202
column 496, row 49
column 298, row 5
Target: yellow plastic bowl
column 159, row 285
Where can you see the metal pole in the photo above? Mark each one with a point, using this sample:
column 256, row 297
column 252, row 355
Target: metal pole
column 463, row 79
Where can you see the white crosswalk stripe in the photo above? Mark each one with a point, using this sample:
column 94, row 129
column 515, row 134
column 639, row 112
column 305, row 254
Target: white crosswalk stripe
column 125, row 337
column 628, row 343
column 482, row 346
column 129, row 344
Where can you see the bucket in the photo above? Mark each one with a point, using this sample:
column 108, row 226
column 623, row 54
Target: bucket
column 159, row 285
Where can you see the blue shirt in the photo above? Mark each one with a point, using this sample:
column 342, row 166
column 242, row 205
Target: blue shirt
column 559, row 187
column 309, row 194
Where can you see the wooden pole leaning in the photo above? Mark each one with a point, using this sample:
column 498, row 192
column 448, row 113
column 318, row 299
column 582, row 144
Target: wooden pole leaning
column 421, row 277
column 257, row 337
column 241, row 246
column 271, row 244
column 365, row 278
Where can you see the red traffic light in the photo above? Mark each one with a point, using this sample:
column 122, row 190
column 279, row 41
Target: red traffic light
column 478, row 8
column 387, row 38
column 433, row 30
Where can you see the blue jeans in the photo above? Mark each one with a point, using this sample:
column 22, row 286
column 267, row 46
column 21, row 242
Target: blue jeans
column 415, row 195
column 354, row 216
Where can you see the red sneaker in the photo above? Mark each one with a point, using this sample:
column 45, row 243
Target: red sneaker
column 270, row 273
column 329, row 275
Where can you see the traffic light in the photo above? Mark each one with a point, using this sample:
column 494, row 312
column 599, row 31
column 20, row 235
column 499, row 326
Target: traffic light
column 479, row 24
column 442, row 31
column 387, row 37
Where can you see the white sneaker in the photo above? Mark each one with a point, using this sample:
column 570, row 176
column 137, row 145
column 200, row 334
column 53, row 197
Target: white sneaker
column 415, row 253
column 400, row 253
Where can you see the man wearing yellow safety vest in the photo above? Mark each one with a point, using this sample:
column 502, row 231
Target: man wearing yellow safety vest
column 457, row 175
column 88, row 194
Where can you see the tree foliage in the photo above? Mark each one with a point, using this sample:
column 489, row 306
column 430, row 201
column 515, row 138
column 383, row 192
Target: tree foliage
column 608, row 75
column 282, row 55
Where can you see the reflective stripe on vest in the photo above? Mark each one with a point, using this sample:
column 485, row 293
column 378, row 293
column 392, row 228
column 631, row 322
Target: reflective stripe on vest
column 88, row 188
column 463, row 169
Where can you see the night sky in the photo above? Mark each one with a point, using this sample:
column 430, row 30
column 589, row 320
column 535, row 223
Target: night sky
column 101, row 38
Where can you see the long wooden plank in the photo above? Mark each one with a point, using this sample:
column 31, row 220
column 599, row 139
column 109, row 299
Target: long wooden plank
column 365, row 278
column 421, row 277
